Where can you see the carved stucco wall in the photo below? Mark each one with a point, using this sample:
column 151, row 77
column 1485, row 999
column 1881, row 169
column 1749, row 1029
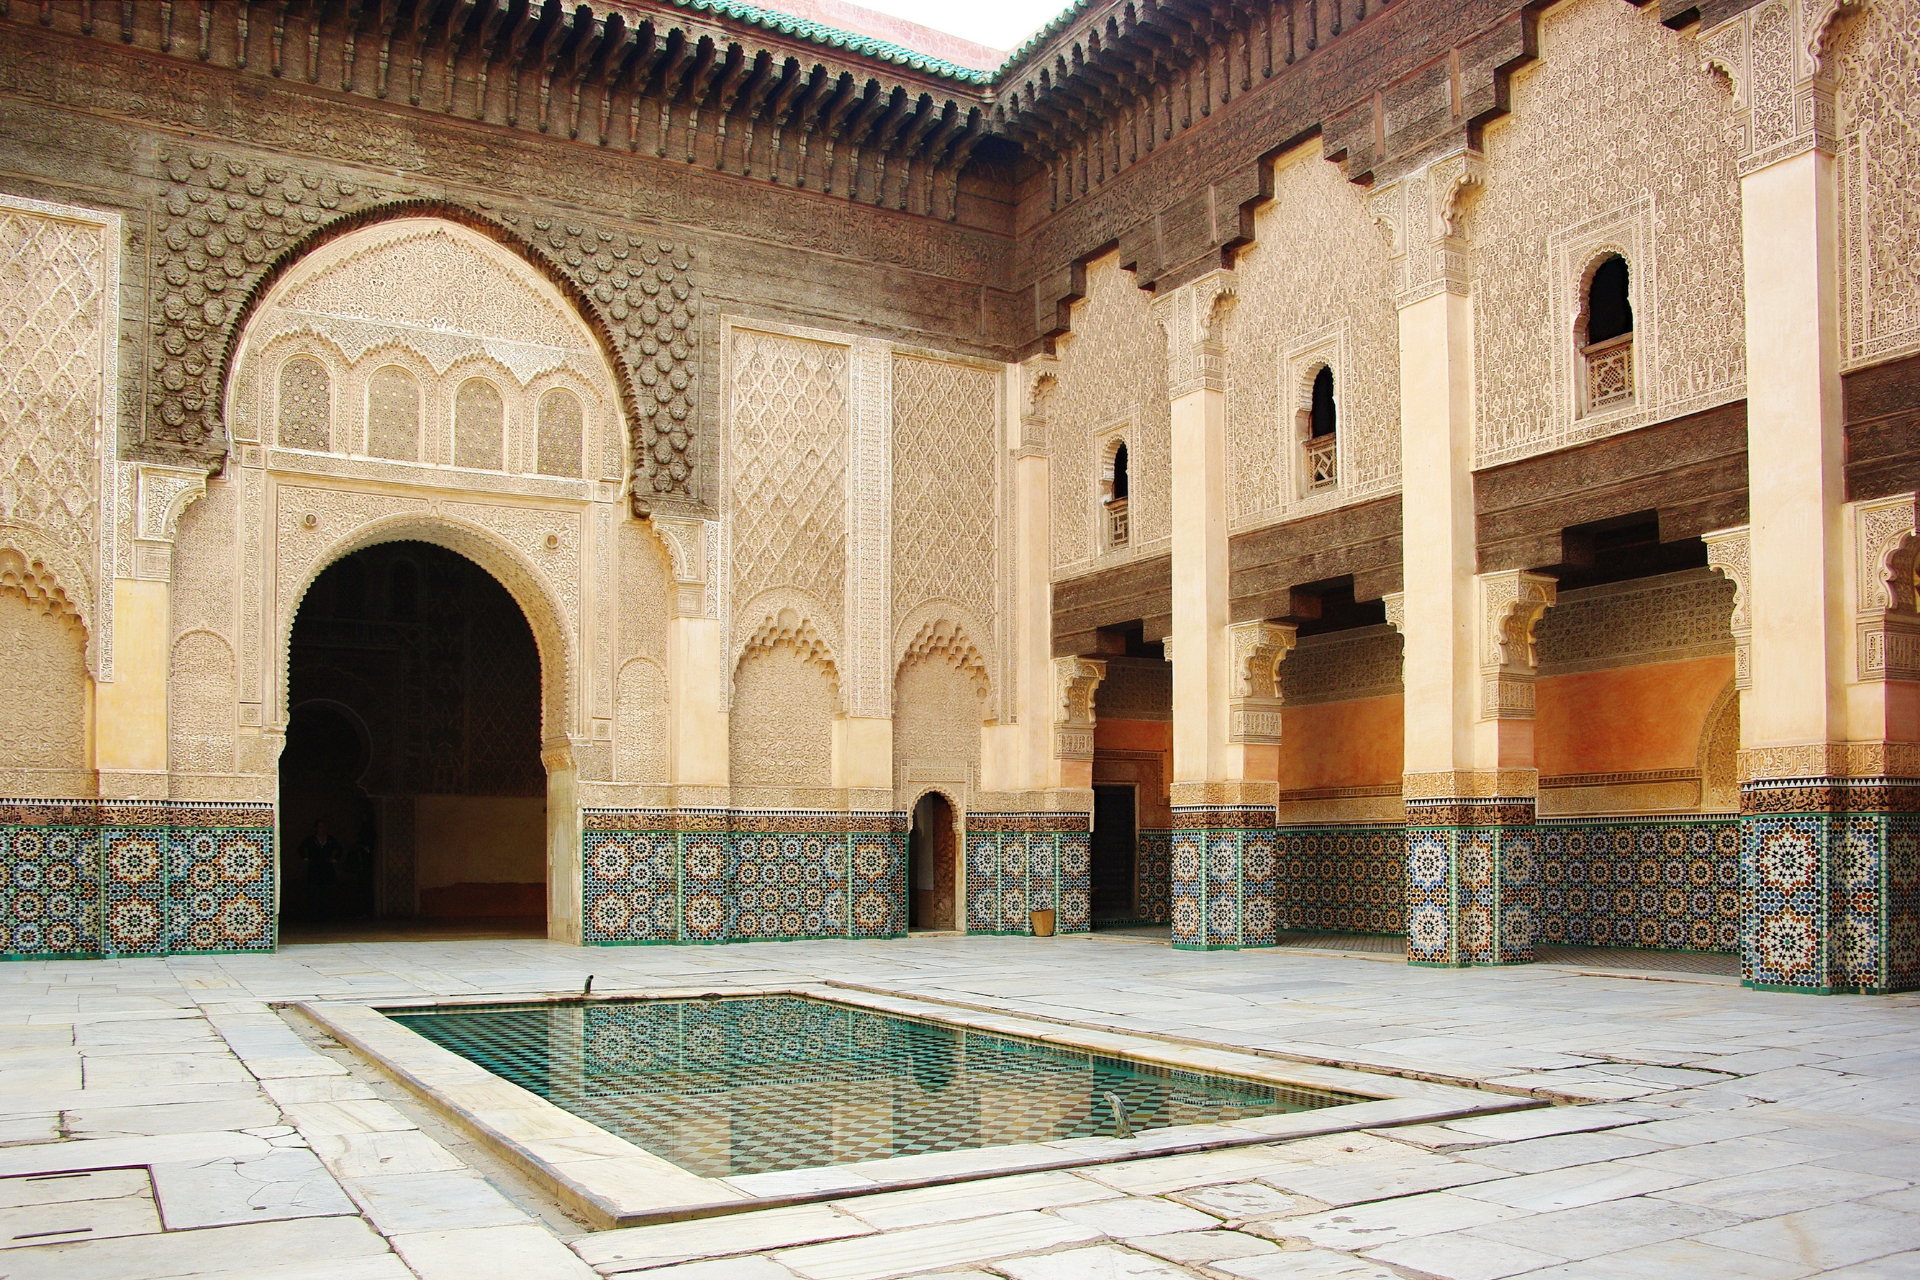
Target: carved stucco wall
column 1314, row 289
column 786, row 478
column 43, row 699
column 937, row 706
column 59, row 273
column 782, row 726
column 1617, row 141
column 1873, row 54
column 440, row 309
column 1112, row 370
column 945, row 419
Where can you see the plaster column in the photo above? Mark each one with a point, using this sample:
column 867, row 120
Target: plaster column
column 565, row 888
column 1821, row 809
column 130, row 711
column 1224, row 782
column 1469, row 781
column 1027, row 834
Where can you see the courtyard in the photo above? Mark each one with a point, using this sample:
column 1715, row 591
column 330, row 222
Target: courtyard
column 175, row 1117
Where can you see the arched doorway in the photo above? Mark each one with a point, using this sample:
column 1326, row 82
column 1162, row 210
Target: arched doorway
column 414, row 696
column 932, row 864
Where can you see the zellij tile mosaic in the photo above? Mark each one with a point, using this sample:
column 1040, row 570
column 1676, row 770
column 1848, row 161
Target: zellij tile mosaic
column 725, row 1087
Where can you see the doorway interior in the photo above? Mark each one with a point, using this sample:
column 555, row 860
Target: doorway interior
column 933, row 846
column 412, row 794
column 1112, row 856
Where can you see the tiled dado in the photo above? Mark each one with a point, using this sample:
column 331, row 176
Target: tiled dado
column 1473, row 881
column 135, row 878
column 1341, row 879
column 1153, row 876
column 1670, row 883
column 1831, row 874
column 1023, row 862
column 717, row 875
column 1223, row 871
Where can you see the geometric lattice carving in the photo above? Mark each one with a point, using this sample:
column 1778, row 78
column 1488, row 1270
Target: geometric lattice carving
column 1664, row 618
column 943, row 484
column 55, row 317
column 479, row 421
column 788, row 468
column 305, row 404
column 561, row 430
column 782, row 725
column 393, row 414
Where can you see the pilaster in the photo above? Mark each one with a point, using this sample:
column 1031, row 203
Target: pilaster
column 1828, row 789
column 130, row 711
column 1469, row 782
column 696, row 665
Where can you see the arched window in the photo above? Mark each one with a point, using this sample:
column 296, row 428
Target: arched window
column 393, row 414
column 1114, row 482
column 1606, row 337
column 1319, row 433
column 304, row 404
column 479, row 420
column 561, row 426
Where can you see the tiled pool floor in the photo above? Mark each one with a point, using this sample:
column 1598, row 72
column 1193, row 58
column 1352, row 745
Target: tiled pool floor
column 766, row 1084
column 1729, row 1133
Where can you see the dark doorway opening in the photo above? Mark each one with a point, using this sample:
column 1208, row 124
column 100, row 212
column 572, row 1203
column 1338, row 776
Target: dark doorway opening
column 932, row 856
column 1112, row 854
column 412, row 795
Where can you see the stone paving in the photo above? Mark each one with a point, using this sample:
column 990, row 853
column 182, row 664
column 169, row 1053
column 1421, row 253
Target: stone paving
column 159, row 1119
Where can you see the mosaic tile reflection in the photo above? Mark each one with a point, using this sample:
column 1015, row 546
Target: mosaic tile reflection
column 766, row 1084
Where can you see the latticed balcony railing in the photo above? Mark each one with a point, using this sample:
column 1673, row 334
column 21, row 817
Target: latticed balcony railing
column 1117, row 522
column 1609, row 373
column 1323, row 463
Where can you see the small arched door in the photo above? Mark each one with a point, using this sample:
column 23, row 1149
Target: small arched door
column 932, row 864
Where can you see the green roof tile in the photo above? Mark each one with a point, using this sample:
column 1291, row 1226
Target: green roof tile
column 807, row 29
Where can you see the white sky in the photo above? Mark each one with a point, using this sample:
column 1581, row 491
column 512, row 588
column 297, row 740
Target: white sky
column 998, row 24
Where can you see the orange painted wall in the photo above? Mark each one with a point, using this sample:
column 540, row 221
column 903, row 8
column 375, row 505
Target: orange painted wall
column 1628, row 718
column 1342, row 744
column 1136, row 735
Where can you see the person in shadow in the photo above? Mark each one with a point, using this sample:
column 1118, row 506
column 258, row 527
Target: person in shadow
column 322, row 855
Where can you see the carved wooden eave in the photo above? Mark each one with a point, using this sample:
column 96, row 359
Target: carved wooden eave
column 733, row 88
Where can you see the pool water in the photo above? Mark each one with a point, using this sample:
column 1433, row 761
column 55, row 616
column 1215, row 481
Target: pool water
column 743, row 1085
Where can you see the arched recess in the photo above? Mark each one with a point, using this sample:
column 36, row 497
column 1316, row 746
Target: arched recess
column 1720, row 752
column 44, row 700
column 940, row 701
column 786, row 693
column 552, row 632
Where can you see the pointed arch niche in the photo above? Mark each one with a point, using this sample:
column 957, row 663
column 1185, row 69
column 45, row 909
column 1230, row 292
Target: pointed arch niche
column 415, row 379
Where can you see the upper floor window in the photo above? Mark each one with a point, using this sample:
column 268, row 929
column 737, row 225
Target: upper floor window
column 1113, row 496
column 1606, row 337
column 1320, row 436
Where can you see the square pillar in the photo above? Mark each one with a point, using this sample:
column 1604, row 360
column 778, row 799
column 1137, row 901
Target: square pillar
column 1224, row 721
column 1828, row 779
column 1469, row 780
